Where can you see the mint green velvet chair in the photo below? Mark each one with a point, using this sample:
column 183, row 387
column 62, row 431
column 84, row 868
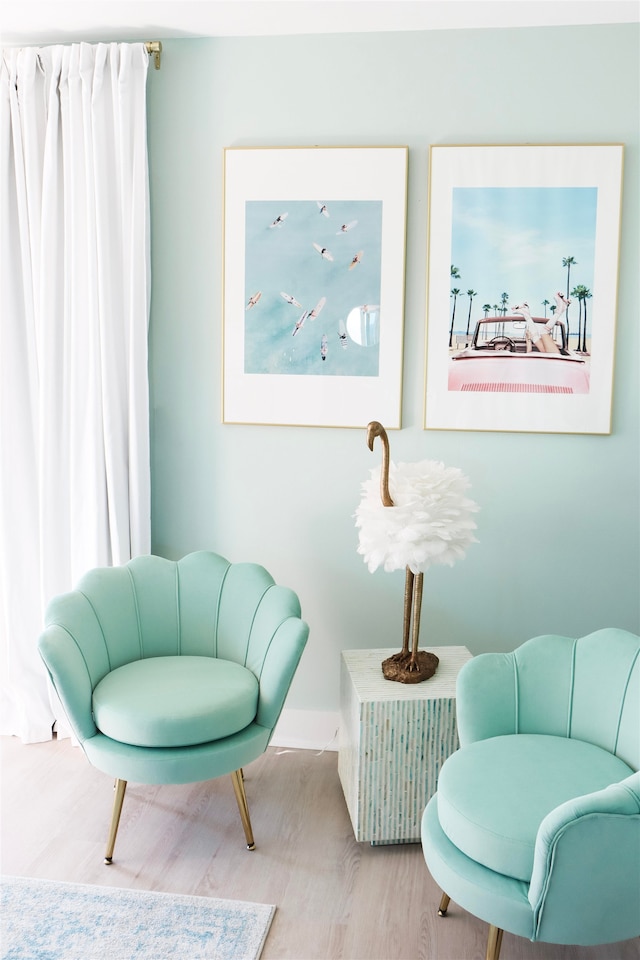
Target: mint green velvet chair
column 535, row 826
column 174, row 672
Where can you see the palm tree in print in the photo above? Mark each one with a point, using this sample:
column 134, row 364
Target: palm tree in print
column 455, row 275
column 576, row 294
column 455, row 293
column 471, row 294
column 583, row 294
column 568, row 262
column 586, row 296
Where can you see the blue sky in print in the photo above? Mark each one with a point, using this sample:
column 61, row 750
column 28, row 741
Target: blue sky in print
column 513, row 240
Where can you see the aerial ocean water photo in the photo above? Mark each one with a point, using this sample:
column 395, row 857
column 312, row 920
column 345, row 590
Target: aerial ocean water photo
column 313, row 287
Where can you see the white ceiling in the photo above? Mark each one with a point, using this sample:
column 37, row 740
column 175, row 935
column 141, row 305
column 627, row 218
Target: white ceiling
column 23, row 22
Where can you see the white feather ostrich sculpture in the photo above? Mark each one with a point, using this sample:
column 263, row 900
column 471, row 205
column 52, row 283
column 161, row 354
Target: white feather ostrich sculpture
column 412, row 515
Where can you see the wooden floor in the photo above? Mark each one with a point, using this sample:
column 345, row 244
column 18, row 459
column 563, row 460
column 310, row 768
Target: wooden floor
column 335, row 898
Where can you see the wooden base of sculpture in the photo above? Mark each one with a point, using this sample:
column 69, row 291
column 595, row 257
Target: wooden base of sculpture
column 410, row 668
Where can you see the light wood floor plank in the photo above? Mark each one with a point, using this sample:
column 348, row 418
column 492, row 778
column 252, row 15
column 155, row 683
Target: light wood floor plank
column 336, row 899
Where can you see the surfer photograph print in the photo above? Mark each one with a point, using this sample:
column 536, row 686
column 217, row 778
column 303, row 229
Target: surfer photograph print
column 314, row 254
column 522, row 284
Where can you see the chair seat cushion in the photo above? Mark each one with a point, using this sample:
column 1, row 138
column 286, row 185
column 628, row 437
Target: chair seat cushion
column 175, row 701
column 493, row 794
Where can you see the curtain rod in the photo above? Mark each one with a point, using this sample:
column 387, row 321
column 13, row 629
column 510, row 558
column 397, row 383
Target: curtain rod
column 154, row 48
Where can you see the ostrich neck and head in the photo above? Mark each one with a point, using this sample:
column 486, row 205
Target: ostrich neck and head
column 375, row 429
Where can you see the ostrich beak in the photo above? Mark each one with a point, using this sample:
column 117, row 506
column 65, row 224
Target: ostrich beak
column 374, row 429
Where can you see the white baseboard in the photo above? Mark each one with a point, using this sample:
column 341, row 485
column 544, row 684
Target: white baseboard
column 307, row 730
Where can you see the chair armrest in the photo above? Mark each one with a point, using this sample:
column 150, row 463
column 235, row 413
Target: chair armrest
column 486, row 702
column 278, row 668
column 586, row 871
column 69, row 674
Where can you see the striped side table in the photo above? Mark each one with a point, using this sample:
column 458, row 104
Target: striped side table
column 394, row 737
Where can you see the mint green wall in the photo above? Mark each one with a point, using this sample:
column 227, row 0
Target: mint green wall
column 559, row 524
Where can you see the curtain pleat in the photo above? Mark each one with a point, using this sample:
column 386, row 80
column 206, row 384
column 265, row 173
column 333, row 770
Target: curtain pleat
column 74, row 310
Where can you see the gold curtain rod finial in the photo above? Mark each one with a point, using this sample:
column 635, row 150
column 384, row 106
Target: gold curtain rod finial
column 154, row 49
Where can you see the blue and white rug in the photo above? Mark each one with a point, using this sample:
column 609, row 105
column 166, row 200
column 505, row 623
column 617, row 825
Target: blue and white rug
column 48, row 920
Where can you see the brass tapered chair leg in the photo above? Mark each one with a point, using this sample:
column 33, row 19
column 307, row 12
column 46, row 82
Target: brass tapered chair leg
column 444, row 905
column 237, row 778
column 494, row 943
column 120, row 787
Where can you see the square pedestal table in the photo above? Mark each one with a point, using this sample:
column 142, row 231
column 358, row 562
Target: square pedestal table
column 394, row 737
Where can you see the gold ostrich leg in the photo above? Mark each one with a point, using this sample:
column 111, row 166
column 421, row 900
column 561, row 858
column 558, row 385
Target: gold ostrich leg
column 416, row 665
column 417, row 606
column 408, row 603
column 403, row 657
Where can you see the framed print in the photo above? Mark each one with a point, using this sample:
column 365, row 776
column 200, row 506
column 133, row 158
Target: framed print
column 314, row 261
column 523, row 247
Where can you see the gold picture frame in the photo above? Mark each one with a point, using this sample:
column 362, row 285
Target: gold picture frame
column 314, row 266
column 523, row 251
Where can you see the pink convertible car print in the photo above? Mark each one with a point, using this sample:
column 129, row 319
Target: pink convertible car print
column 502, row 358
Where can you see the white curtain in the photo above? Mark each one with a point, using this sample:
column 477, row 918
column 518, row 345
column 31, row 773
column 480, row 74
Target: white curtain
column 74, row 309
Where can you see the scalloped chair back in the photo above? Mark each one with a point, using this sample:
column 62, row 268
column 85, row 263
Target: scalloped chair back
column 586, row 689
